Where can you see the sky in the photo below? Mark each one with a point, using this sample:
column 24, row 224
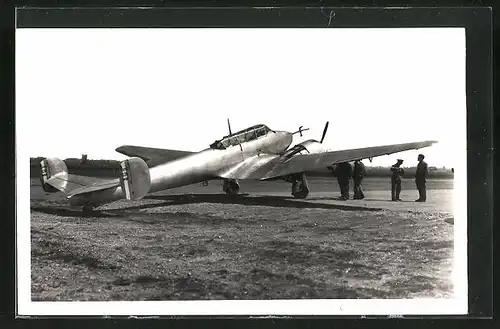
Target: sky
column 93, row 90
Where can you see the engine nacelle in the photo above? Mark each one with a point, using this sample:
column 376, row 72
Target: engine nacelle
column 52, row 168
column 134, row 178
column 312, row 146
column 308, row 147
column 300, row 187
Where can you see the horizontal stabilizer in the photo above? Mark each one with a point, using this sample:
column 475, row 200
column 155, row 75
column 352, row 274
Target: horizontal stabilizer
column 97, row 186
column 54, row 177
column 135, row 179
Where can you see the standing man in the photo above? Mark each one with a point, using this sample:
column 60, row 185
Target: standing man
column 357, row 177
column 420, row 178
column 397, row 172
column 336, row 173
column 344, row 173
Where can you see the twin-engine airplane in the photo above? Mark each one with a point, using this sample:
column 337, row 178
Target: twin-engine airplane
column 254, row 153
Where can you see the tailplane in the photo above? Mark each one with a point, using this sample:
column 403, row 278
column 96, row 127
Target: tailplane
column 134, row 181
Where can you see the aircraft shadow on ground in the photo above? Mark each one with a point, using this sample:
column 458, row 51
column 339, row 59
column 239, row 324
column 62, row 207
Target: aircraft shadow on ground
column 389, row 200
column 65, row 212
column 182, row 199
column 243, row 199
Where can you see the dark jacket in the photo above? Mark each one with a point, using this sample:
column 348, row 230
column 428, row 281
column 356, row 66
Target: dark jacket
column 397, row 172
column 422, row 171
column 359, row 170
column 344, row 170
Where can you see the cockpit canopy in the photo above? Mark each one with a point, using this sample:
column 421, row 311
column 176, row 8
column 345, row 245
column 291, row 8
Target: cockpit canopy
column 241, row 136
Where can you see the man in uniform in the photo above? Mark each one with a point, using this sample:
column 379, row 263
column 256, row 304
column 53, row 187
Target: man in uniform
column 357, row 176
column 397, row 172
column 344, row 173
column 420, row 178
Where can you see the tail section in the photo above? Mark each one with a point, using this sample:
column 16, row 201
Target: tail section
column 135, row 179
column 133, row 184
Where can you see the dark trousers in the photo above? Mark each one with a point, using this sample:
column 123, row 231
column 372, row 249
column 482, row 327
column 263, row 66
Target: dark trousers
column 344, row 187
column 358, row 189
column 395, row 189
column 422, row 190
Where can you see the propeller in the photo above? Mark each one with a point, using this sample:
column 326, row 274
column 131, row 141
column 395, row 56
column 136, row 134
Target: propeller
column 300, row 131
column 324, row 132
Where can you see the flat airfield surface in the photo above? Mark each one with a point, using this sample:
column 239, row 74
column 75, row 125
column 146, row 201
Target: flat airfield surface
column 195, row 243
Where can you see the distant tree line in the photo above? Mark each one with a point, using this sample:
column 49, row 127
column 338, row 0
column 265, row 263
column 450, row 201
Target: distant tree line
column 111, row 168
column 386, row 172
column 97, row 168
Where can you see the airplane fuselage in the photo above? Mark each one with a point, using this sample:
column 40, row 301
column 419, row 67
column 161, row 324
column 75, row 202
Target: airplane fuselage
column 198, row 167
column 207, row 164
column 253, row 153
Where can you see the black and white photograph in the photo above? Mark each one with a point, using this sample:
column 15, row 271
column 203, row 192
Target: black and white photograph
column 241, row 171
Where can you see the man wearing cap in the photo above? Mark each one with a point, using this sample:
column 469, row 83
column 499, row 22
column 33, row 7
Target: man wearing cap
column 397, row 172
column 420, row 178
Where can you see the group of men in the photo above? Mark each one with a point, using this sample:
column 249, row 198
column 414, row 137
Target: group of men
column 344, row 171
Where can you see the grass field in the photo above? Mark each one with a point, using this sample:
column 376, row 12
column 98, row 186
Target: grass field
column 196, row 243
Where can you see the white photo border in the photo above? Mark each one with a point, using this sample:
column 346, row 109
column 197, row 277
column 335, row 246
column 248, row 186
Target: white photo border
column 26, row 307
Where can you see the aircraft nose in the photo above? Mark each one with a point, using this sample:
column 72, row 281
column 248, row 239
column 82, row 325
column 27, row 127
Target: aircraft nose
column 286, row 138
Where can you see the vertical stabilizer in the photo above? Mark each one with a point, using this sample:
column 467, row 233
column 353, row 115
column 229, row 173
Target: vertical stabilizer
column 134, row 178
column 53, row 174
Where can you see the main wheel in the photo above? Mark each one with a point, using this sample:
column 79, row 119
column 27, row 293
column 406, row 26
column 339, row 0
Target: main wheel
column 299, row 190
column 231, row 186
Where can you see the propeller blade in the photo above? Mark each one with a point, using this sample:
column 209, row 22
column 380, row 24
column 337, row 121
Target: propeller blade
column 229, row 126
column 324, row 132
column 300, row 131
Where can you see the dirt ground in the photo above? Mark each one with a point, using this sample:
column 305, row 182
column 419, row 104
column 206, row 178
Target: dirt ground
column 197, row 243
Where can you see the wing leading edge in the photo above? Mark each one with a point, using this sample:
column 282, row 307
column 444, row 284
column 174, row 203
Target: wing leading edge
column 263, row 168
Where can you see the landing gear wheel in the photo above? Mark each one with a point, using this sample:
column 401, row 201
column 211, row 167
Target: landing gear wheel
column 299, row 191
column 300, row 188
column 231, row 186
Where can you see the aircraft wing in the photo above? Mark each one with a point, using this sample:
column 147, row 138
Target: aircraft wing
column 266, row 166
column 152, row 155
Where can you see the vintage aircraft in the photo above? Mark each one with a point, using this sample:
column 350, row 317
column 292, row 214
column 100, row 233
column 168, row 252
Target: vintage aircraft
column 256, row 153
